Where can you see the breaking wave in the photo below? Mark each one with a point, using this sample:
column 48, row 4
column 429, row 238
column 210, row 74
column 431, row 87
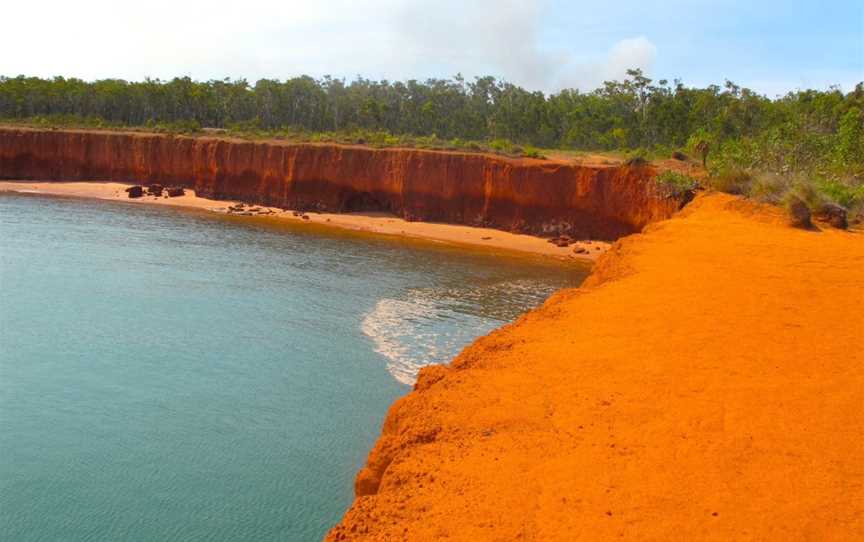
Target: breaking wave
column 433, row 325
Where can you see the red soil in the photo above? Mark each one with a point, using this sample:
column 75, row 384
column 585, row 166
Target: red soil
column 528, row 196
column 706, row 383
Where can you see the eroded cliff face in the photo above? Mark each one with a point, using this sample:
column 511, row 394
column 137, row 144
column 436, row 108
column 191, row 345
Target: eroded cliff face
column 530, row 196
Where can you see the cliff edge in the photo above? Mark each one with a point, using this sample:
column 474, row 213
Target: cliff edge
column 706, row 383
column 541, row 197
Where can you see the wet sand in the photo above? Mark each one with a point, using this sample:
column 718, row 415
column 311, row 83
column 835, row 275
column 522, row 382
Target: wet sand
column 378, row 223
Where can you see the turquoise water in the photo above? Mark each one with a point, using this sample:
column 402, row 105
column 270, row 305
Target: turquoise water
column 170, row 375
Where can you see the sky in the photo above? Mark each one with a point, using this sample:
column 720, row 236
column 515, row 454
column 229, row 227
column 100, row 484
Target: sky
column 768, row 45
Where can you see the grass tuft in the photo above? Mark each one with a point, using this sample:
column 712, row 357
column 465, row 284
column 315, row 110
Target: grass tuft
column 676, row 184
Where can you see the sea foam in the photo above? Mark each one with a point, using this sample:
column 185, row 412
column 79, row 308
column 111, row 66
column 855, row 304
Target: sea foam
column 432, row 325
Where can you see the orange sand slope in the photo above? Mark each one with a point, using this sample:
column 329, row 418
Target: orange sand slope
column 707, row 383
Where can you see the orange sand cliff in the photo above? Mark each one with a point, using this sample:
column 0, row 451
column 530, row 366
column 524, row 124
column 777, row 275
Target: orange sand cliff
column 527, row 196
column 706, row 383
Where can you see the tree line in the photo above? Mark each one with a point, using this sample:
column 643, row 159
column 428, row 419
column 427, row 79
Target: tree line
column 741, row 125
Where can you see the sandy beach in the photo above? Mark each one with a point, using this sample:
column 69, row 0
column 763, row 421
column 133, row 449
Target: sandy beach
column 377, row 223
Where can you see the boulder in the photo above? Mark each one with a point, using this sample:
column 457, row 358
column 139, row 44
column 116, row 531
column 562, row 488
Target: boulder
column 155, row 189
column 680, row 156
column 562, row 241
column 176, row 191
column 135, row 191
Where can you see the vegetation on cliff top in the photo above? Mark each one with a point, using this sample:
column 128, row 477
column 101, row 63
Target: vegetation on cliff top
column 806, row 137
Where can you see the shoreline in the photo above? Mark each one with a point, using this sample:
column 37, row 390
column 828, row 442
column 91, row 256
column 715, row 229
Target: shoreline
column 374, row 223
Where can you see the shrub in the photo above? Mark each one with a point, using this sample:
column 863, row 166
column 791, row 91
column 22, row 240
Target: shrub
column 806, row 191
column 657, row 152
column 731, row 181
column 636, row 158
column 769, row 188
column 676, row 184
column 533, row 152
column 850, row 137
column 844, row 193
column 501, row 145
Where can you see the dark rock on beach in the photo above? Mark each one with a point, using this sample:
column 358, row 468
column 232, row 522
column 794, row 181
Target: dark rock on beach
column 562, row 241
column 135, row 191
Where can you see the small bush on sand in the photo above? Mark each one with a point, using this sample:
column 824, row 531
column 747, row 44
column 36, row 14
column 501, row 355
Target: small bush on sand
column 501, row 145
column 532, row 152
column 769, row 188
column 846, row 193
column 807, row 192
column 637, row 158
column 830, row 200
column 676, row 184
column 732, row 181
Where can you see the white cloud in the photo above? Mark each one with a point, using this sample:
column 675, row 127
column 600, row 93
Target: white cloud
column 485, row 37
column 504, row 38
column 627, row 54
column 624, row 55
column 267, row 38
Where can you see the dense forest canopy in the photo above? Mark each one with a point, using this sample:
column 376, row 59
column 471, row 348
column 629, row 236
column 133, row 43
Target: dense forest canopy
column 820, row 133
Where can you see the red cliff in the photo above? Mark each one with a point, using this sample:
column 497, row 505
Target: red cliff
column 530, row 196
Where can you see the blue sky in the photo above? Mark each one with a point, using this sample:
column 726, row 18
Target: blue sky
column 770, row 46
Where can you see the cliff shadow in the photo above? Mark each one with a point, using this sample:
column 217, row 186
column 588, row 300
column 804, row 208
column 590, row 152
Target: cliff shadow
column 364, row 202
